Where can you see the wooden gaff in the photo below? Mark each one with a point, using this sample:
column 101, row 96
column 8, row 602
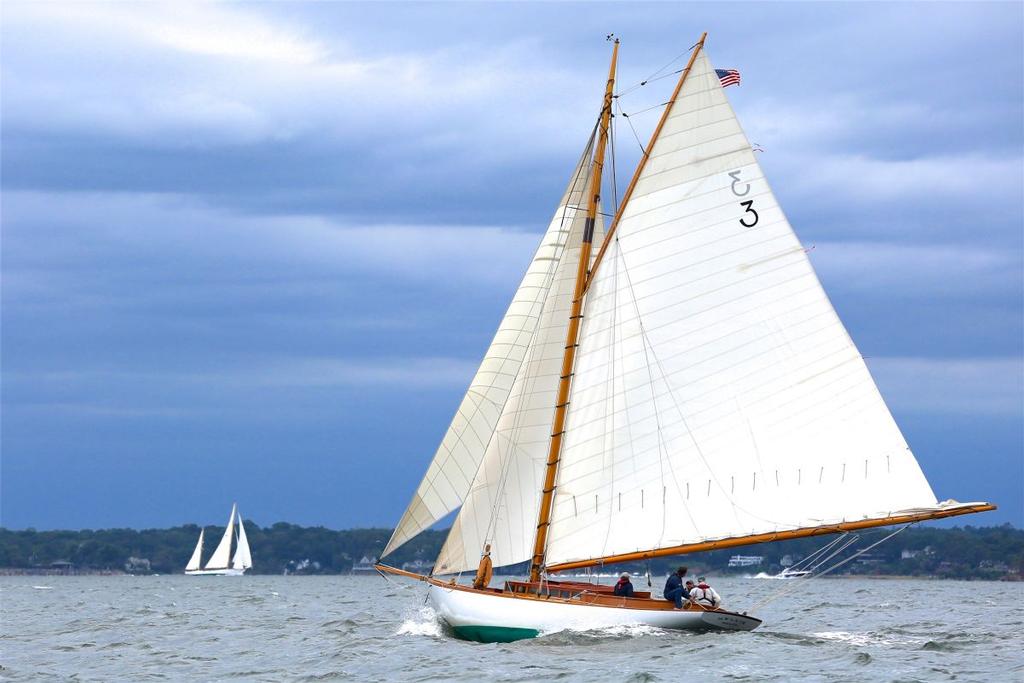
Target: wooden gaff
column 643, row 161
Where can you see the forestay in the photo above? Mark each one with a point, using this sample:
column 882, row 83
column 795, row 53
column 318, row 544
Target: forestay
column 716, row 394
column 487, row 401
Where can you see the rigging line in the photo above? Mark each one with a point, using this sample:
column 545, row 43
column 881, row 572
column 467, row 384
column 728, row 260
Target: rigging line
column 643, row 152
column 611, row 397
column 516, row 428
column 549, row 277
column 654, row 76
column 644, row 111
column 797, row 584
column 685, row 422
column 646, row 342
column 612, row 127
column 587, row 150
column 696, row 445
column 834, row 553
column 615, row 183
column 817, row 553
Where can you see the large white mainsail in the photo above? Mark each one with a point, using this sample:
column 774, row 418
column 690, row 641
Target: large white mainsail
column 458, row 458
column 222, row 555
column 716, row 394
column 501, row 508
column 243, row 557
column 197, row 554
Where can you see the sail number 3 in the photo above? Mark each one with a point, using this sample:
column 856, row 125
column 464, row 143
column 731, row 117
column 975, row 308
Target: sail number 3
column 747, row 221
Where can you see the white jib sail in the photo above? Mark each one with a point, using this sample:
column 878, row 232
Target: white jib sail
column 197, row 554
column 222, row 555
column 243, row 558
column 716, row 393
column 450, row 474
column 503, row 503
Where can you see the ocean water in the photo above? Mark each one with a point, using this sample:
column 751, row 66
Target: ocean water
column 264, row 628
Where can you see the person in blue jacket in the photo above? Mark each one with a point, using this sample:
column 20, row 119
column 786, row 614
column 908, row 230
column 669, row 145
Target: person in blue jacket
column 624, row 587
column 675, row 591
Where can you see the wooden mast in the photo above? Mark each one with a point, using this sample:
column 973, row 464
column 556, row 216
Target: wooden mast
column 643, row 161
column 568, row 358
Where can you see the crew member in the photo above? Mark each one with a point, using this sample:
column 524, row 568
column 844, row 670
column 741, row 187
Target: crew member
column 485, row 570
column 704, row 595
column 674, row 589
column 624, row 587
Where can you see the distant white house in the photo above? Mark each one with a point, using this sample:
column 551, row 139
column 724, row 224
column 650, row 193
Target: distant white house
column 365, row 566
column 418, row 567
column 745, row 560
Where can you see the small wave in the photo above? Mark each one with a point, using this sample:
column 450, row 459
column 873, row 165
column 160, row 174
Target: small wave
column 862, row 639
column 419, row 628
column 425, row 623
column 43, row 588
column 596, row 636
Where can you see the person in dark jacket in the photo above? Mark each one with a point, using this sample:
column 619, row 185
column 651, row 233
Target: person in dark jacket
column 624, row 587
column 675, row 591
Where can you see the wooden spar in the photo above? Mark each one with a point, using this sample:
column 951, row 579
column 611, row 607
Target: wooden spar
column 383, row 568
column 572, row 335
column 643, row 162
column 774, row 536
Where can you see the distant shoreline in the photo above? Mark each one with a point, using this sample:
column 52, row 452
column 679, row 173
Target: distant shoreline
column 960, row 553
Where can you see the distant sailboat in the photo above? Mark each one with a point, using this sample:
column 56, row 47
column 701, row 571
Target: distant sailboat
column 218, row 564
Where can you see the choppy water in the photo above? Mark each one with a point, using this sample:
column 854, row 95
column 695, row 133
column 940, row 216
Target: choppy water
column 363, row 628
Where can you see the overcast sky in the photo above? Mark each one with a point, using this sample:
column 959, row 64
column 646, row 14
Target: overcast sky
column 254, row 252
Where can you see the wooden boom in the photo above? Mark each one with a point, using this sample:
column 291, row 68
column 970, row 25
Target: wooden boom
column 776, row 536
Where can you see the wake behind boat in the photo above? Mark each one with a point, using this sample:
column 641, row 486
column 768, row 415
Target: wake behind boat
column 219, row 564
column 689, row 387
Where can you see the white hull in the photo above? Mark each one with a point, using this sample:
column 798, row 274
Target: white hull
column 483, row 616
column 215, row 572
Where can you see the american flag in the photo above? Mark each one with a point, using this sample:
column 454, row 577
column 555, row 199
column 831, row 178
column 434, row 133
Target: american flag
column 728, row 76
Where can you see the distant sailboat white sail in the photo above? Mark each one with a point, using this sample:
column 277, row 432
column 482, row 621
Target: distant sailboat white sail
column 708, row 396
column 197, row 554
column 243, row 558
column 221, row 562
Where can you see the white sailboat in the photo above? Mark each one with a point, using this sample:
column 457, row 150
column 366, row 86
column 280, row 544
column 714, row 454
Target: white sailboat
column 219, row 564
column 687, row 388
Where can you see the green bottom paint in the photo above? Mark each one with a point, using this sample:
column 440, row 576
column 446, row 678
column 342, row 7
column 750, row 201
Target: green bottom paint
column 494, row 634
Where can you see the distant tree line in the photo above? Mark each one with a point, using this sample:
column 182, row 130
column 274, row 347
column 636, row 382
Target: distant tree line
column 966, row 553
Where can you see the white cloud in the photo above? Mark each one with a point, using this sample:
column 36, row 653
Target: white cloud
column 952, row 385
column 188, row 76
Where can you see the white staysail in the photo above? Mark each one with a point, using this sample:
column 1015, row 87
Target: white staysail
column 502, row 505
column 222, row 555
column 454, row 467
column 716, row 393
column 197, row 554
column 243, row 558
